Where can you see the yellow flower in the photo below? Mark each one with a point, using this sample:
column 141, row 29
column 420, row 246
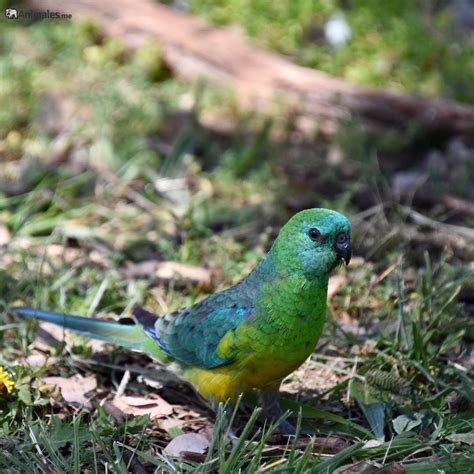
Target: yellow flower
column 5, row 381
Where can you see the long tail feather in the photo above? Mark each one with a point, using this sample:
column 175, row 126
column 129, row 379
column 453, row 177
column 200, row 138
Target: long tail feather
column 125, row 335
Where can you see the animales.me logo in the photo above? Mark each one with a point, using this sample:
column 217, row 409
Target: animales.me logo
column 15, row 14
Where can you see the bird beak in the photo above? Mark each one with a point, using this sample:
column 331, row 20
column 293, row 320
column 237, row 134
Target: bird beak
column 343, row 251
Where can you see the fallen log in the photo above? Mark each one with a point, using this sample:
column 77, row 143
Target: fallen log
column 194, row 50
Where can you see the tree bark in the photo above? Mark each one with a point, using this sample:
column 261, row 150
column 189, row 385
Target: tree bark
column 194, row 50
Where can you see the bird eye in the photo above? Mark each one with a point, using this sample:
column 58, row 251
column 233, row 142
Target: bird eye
column 314, row 233
column 341, row 238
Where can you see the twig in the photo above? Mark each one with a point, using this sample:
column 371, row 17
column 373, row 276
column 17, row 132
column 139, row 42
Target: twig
column 458, row 205
column 135, row 466
column 37, row 447
column 387, row 450
column 421, row 219
column 98, row 296
column 123, row 384
column 371, row 211
column 127, row 191
column 352, row 375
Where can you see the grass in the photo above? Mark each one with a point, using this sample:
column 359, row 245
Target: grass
column 406, row 46
column 105, row 170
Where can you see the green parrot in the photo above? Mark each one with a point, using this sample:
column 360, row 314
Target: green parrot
column 249, row 336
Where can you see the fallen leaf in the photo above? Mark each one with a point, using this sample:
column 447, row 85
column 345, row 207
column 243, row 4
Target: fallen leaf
column 345, row 318
column 96, row 346
column 5, row 235
column 49, row 390
column 335, row 284
column 118, row 415
column 156, row 407
column 59, row 251
column 187, row 443
column 75, row 388
column 36, row 360
column 372, row 443
column 143, row 269
column 183, row 271
column 171, row 423
column 50, row 334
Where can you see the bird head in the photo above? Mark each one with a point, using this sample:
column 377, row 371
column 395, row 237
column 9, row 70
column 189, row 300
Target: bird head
column 312, row 243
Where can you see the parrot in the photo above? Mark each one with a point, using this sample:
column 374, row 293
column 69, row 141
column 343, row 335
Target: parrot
column 249, row 336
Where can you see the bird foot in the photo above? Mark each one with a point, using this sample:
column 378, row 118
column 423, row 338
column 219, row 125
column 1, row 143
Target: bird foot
column 273, row 411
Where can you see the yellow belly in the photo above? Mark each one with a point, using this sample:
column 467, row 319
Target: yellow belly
column 227, row 382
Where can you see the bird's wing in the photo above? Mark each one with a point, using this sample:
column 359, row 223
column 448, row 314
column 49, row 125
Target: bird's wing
column 192, row 335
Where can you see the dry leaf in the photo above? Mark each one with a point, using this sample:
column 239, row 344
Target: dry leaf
column 50, row 334
column 118, row 415
column 96, row 346
column 169, row 423
column 75, row 388
column 5, row 235
column 49, row 390
column 143, row 269
column 61, row 252
column 37, row 360
column 183, row 271
column 372, row 443
column 345, row 318
column 156, row 407
column 187, row 443
column 335, row 284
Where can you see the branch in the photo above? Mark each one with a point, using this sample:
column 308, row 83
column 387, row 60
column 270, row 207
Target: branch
column 195, row 51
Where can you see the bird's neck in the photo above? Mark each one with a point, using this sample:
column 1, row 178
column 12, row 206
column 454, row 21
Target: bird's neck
column 278, row 281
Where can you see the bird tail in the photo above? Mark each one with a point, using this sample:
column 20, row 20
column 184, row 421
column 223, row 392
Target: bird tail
column 125, row 334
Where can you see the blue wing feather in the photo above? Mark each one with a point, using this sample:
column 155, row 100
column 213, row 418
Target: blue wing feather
column 192, row 335
column 194, row 341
